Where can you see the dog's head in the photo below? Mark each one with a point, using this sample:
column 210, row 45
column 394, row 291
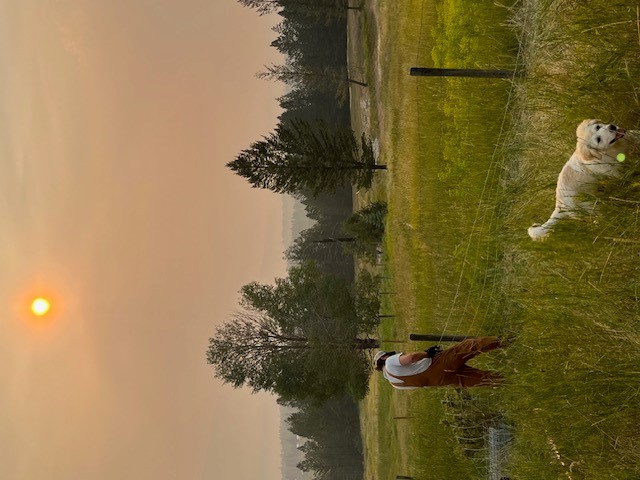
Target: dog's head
column 595, row 138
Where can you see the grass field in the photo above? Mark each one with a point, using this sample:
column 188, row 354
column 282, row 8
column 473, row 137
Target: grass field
column 473, row 163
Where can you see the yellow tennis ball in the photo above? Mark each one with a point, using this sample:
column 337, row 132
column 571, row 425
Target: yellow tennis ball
column 621, row 157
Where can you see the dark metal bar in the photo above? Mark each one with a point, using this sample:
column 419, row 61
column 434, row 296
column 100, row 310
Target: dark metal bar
column 438, row 338
column 461, row 72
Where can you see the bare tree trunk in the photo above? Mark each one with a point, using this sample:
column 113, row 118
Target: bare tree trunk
column 335, row 240
column 357, row 82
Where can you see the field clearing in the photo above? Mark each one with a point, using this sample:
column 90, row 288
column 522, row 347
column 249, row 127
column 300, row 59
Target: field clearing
column 473, row 163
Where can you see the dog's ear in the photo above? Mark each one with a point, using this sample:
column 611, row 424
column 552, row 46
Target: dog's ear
column 587, row 153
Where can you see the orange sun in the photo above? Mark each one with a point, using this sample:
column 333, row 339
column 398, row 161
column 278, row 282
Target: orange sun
column 40, row 306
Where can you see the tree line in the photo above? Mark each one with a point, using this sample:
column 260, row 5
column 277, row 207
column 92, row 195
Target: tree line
column 306, row 337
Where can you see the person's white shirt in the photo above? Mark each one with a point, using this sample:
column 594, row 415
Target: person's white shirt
column 393, row 366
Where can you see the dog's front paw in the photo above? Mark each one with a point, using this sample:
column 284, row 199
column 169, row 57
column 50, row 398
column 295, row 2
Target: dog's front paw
column 538, row 232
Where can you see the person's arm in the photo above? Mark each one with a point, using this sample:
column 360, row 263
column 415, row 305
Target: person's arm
column 409, row 358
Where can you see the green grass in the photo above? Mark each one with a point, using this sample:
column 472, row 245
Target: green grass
column 573, row 396
column 443, row 176
column 472, row 164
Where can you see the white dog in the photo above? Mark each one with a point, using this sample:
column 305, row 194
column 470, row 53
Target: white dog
column 595, row 158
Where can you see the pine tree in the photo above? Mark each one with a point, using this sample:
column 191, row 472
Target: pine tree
column 300, row 338
column 299, row 156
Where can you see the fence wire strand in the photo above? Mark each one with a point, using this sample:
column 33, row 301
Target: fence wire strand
column 480, row 218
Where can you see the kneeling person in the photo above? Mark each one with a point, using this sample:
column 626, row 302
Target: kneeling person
column 434, row 368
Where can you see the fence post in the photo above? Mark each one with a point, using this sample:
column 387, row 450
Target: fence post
column 462, row 72
column 438, row 338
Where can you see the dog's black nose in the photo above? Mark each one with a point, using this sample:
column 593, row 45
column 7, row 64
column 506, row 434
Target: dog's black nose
column 613, row 128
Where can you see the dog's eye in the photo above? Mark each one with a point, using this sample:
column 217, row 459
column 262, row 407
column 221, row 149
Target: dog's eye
column 598, row 127
column 598, row 139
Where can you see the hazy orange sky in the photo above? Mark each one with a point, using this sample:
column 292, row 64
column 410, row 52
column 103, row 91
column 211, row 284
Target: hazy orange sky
column 116, row 120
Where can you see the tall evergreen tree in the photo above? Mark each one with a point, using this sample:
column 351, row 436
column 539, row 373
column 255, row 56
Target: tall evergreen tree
column 330, row 78
column 300, row 156
column 300, row 338
column 312, row 76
